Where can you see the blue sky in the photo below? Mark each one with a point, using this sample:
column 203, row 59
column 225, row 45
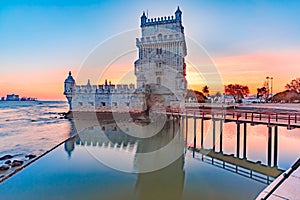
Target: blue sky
column 47, row 37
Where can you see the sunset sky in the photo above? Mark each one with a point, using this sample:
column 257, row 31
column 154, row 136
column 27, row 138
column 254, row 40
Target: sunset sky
column 40, row 41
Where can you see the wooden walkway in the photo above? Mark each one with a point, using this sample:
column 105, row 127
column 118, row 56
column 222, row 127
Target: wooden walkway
column 289, row 119
column 286, row 186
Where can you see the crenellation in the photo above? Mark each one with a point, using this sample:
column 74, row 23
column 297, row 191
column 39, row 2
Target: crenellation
column 160, row 20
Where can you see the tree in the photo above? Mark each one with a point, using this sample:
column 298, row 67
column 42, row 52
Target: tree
column 262, row 93
column 205, row 90
column 294, row 85
column 236, row 91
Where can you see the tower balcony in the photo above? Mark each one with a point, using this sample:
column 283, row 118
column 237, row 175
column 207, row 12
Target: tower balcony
column 164, row 39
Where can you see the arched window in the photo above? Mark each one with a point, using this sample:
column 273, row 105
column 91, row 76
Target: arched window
column 159, row 36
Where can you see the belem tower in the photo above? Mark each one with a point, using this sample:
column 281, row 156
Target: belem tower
column 160, row 72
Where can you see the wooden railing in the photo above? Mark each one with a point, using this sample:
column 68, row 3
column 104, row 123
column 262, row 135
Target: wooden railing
column 289, row 119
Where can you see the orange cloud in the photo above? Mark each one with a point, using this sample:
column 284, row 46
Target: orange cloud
column 252, row 69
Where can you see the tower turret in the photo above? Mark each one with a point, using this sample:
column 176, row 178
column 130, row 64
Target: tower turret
column 69, row 88
column 143, row 19
column 178, row 14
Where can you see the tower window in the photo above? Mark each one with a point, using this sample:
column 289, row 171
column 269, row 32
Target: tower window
column 158, row 81
column 159, row 51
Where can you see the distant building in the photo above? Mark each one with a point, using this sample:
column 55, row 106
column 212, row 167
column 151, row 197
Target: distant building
column 12, row 97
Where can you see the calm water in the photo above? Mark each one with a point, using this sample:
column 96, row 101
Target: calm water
column 101, row 163
column 31, row 127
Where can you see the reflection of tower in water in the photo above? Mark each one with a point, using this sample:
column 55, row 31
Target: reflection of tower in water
column 70, row 146
column 168, row 182
column 107, row 137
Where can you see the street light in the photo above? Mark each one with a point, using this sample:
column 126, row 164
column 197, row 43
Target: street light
column 268, row 89
column 271, row 89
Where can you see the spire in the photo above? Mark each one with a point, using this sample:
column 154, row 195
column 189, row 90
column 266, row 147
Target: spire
column 178, row 9
column 70, row 78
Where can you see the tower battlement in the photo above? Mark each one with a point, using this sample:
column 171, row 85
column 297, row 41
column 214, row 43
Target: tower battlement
column 105, row 88
column 145, row 21
column 159, row 20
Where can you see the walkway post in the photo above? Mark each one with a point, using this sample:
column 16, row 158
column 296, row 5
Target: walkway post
column 238, row 139
column 202, row 129
column 275, row 146
column 245, row 141
column 214, row 134
column 195, row 127
column 221, row 136
column 269, row 145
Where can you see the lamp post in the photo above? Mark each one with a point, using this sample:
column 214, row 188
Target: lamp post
column 271, row 89
column 268, row 87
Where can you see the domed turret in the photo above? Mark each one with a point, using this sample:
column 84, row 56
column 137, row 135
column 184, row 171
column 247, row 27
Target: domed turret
column 69, row 88
column 70, row 146
column 178, row 14
column 143, row 19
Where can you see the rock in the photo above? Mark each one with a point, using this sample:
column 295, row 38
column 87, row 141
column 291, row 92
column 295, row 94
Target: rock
column 7, row 162
column 4, row 167
column 17, row 163
column 6, row 157
column 30, row 156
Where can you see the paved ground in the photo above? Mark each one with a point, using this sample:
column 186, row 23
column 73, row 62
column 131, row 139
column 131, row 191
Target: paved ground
column 289, row 189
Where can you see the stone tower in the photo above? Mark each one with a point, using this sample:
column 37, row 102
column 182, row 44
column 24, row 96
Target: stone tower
column 161, row 63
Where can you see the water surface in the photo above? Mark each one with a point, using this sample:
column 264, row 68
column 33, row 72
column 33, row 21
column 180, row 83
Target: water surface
column 103, row 160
